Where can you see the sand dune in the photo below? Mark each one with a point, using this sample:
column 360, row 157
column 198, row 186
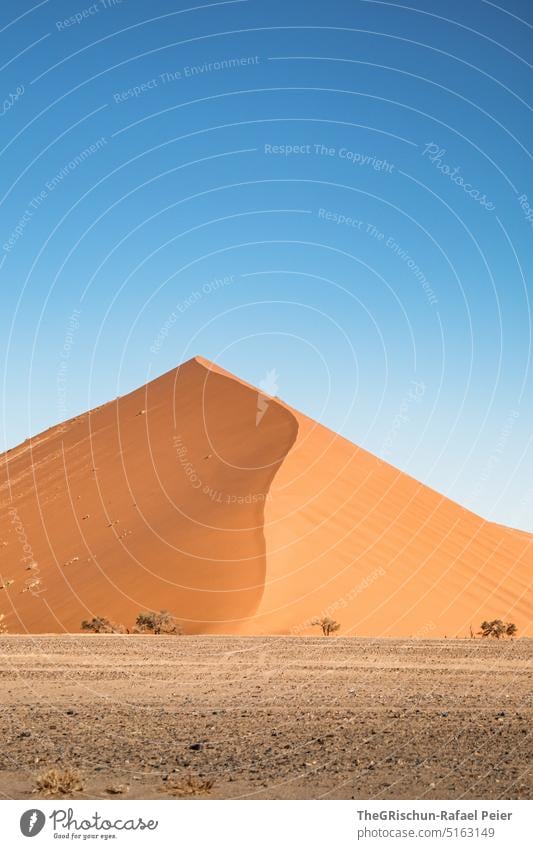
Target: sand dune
column 198, row 494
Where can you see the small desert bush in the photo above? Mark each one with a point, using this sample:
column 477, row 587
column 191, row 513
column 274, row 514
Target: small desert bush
column 3, row 626
column 189, row 786
column 101, row 625
column 59, row 782
column 329, row 626
column 157, row 622
column 497, row 628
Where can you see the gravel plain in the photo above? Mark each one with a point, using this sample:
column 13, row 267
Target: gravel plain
column 268, row 717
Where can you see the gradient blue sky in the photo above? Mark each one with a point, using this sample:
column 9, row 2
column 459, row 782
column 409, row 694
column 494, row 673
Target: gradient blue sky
column 107, row 280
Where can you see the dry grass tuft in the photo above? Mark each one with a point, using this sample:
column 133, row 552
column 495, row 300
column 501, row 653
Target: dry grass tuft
column 189, row 786
column 59, row 782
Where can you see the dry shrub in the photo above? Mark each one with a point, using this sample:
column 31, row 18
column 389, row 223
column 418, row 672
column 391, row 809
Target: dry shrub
column 498, row 629
column 157, row 622
column 328, row 626
column 59, row 782
column 189, row 786
column 101, row 625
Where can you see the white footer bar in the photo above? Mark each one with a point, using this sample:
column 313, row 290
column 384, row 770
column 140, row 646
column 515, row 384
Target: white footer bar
column 213, row 824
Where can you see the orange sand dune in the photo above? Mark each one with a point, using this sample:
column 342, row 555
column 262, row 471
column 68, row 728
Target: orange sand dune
column 198, row 494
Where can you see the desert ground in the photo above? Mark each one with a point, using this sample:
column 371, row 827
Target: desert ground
column 268, row 717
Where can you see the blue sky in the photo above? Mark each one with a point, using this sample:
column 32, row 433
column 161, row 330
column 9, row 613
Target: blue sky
column 340, row 192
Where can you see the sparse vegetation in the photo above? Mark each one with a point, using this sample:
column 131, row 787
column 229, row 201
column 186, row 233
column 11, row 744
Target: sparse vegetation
column 147, row 622
column 190, row 786
column 497, row 628
column 3, row 626
column 31, row 585
column 71, row 561
column 157, row 622
column 329, row 626
column 101, row 625
column 59, row 782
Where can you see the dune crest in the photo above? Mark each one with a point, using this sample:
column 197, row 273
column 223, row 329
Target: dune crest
column 200, row 494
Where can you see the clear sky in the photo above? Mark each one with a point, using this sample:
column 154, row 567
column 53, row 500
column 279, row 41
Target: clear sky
column 340, row 192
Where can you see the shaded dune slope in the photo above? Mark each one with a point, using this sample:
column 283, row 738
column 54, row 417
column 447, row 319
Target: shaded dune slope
column 155, row 500
column 199, row 495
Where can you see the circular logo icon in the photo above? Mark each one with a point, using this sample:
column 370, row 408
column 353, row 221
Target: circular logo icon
column 32, row 822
